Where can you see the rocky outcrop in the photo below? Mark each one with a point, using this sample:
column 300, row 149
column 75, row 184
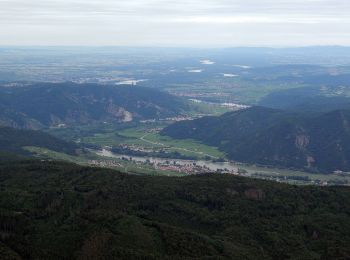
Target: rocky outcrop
column 254, row 194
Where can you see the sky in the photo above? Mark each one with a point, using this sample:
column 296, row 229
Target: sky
column 176, row 23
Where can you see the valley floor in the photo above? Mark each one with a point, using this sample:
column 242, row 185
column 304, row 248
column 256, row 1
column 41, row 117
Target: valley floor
column 139, row 148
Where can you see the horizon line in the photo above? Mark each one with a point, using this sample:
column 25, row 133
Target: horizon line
column 174, row 47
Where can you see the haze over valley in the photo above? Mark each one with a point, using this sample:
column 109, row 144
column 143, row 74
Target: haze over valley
column 272, row 110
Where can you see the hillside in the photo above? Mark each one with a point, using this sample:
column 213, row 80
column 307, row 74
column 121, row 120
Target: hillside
column 12, row 140
column 274, row 137
column 64, row 211
column 49, row 104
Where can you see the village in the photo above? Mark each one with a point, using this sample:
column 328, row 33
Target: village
column 179, row 166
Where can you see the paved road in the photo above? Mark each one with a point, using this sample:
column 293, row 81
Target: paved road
column 143, row 138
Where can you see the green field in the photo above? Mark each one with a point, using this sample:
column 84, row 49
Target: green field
column 141, row 136
column 281, row 175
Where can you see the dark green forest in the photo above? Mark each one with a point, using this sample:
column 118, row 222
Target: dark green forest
column 56, row 210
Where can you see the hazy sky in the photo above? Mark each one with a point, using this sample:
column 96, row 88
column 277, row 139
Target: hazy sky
column 212, row 23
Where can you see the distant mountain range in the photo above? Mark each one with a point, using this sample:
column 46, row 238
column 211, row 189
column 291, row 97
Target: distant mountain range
column 49, row 104
column 316, row 142
column 309, row 99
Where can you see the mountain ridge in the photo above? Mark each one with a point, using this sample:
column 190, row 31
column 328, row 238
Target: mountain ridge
column 275, row 137
column 51, row 104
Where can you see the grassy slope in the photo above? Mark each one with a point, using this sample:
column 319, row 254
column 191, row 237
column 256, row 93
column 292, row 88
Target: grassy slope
column 12, row 140
column 56, row 210
column 84, row 160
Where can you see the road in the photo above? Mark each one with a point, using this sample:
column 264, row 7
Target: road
column 143, row 138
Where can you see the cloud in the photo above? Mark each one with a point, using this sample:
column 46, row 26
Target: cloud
column 244, row 19
column 181, row 22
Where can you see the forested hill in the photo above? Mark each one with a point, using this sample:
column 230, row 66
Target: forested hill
column 49, row 104
column 274, row 137
column 64, row 211
column 13, row 140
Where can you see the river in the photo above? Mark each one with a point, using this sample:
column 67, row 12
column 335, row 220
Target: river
column 213, row 166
